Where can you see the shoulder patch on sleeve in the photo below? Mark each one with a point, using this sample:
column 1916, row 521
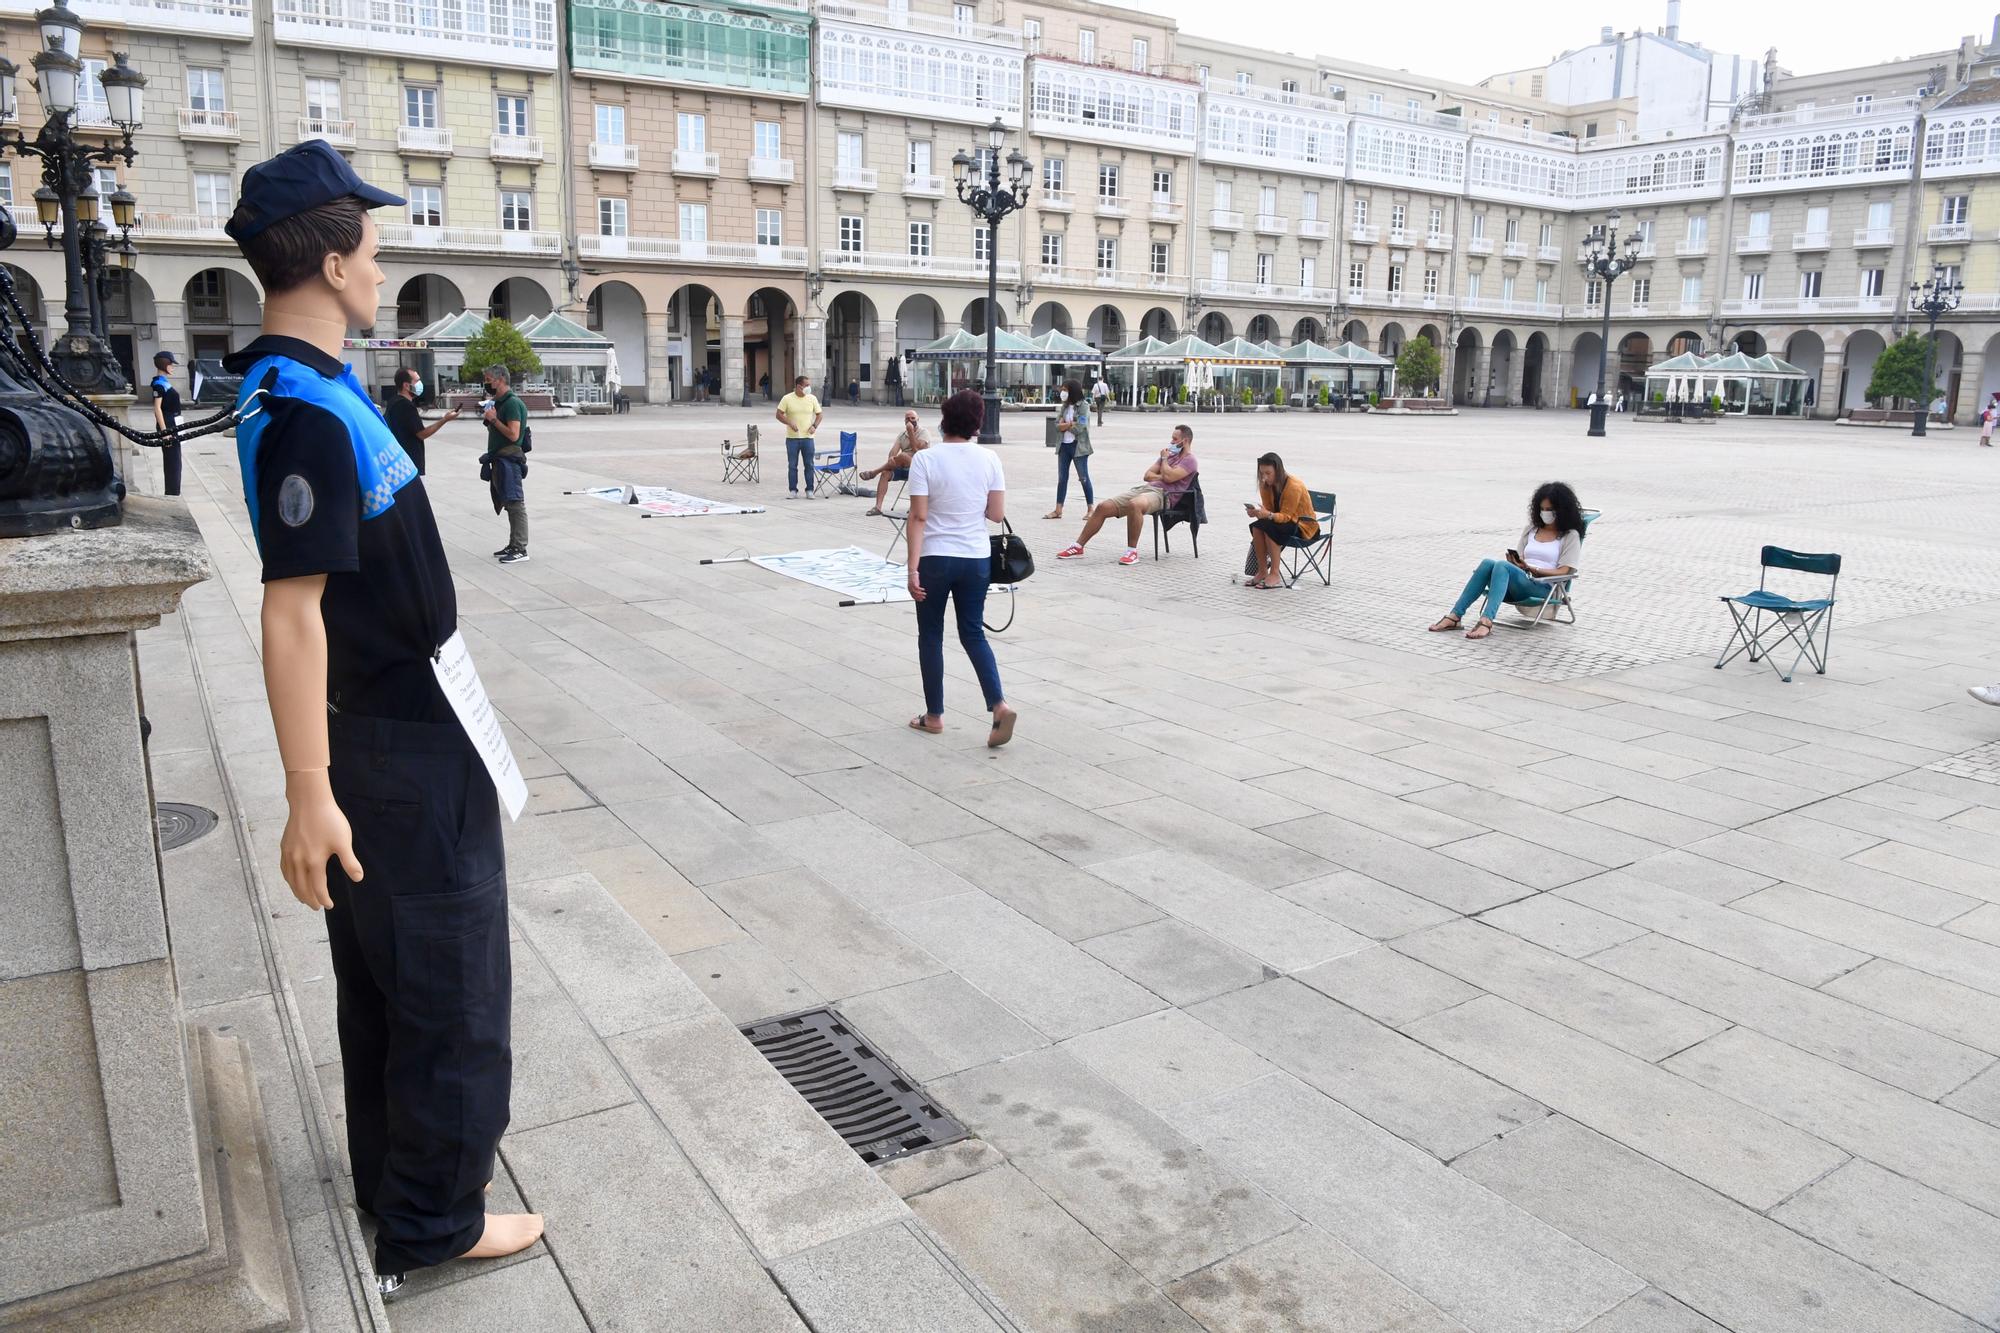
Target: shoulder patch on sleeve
column 295, row 501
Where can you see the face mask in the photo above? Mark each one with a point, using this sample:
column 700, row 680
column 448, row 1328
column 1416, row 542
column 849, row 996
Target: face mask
column 417, row 388
column 1549, row 517
column 1174, row 448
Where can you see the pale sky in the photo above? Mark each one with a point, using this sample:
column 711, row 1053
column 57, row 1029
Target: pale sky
column 1465, row 41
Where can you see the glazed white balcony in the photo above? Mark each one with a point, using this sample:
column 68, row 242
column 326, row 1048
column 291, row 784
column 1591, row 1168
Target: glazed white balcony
column 339, row 133
column 614, row 156
column 1314, row 229
column 1388, row 153
column 936, row 266
column 1754, row 245
column 1273, row 224
column 1363, row 233
column 931, row 187
column 854, row 178
column 221, row 18
column 515, row 148
column 1113, row 206
column 520, row 35
column 1811, row 240
column 867, row 59
column 201, row 123
column 1275, row 130
column 427, row 141
column 1264, row 291
column 1657, row 172
column 1479, row 245
column 1691, row 249
column 1165, row 210
column 468, row 240
column 1548, row 254
column 1073, row 101
column 780, row 170
column 1946, row 233
column 1514, row 249
column 1055, row 201
column 181, row 227
column 673, row 250
column 695, row 162
column 1225, row 219
column 1874, row 238
column 903, row 20
column 1803, row 158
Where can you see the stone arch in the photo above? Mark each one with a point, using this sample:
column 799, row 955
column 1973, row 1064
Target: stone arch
column 1050, row 316
column 1687, row 340
column 129, row 311
column 919, row 320
column 694, row 342
column 772, row 351
column 1465, row 380
column 1948, row 368
column 1215, row 328
column 1392, row 339
column 1534, row 360
column 1807, row 350
column 1261, row 329
column 1584, row 355
column 419, row 301
column 517, row 298
column 1500, row 369
column 850, row 346
column 1857, row 365
column 1159, row 323
column 1635, row 355
column 974, row 318
column 29, row 293
column 1749, row 342
column 617, row 310
column 1354, row 331
column 222, row 311
column 1308, row 330
column 1989, row 375
column 1436, row 337
column 1106, row 328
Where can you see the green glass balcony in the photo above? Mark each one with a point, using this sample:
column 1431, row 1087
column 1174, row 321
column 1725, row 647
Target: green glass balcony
column 741, row 46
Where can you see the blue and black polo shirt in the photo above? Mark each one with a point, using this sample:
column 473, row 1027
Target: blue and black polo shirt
column 327, row 486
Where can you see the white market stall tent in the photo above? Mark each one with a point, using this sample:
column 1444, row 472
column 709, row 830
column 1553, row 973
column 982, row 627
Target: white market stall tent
column 1757, row 386
column 576, row 362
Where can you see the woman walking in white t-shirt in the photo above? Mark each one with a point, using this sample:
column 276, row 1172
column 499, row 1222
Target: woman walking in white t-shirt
column 956, row 489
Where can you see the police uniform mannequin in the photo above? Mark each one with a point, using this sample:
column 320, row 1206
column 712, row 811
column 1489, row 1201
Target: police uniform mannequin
column 394, row 825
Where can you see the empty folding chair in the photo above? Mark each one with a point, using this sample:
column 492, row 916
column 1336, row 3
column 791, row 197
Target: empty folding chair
column 1556, row 605
column 740, row 465
column 1806, row 622
column 841, row 473
column 898, row 518
column 1316, row 553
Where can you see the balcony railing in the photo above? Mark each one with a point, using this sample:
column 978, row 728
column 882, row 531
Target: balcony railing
column 1817, row 115
column 1402, row 236
column 1811, row 240
column 468, row 240
column 671, row 249
column 1874, row 238
column 429, row 140
column 695, row 162
column 1645, row 250
column 1549, row 254
column 1691, row 249
column 1405, row 299
column 1272, row 224
column 519, row 35
column 1944, row 233
column 930, row 186
column 1055, row 201
column 903, row 20
column 1225, row 219
column 1076, row 275
column 1165, row 210
column 1364, row 233
column 939, row 266
column 339, row 133
column 1437, row 240
column 182, row 17
column 854, row 178
column 1113, row 206
column 1514, row 249
column 1501, row 305
column 515, row 148
column 202, row 123
column 1479, row 245
column 1691, row 307
column 1264, row 291
column 181, row 227
column 1754, row 245
column 1313, row 229
column 614, row 156
column 778, row 169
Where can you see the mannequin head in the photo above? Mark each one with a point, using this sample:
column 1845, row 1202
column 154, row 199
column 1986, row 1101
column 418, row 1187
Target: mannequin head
column 320, row 264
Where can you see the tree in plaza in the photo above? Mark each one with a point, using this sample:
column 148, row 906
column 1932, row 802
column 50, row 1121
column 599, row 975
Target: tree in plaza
column 499, row 343
column 1418, row 366
column 1899, row 371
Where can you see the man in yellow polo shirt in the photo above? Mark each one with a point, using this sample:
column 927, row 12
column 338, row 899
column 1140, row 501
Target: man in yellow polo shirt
column 799, row 410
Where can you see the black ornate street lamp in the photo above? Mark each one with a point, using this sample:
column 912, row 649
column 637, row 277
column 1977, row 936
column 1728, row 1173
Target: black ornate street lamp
column 981, row 191
column 1935, row 297
column 1604, row 262
column 56, row 468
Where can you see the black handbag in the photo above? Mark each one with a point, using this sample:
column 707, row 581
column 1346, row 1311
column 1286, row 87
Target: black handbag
column 1012, row 561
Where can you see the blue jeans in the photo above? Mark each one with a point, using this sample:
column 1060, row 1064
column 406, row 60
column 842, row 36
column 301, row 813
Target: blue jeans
column 1066, row 455
column 798, row 458
column 963, row 579
column 1499, row 581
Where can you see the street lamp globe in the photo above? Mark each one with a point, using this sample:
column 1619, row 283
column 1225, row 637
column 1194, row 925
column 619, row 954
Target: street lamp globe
column 56, row 74
column 10, row 109
column 61, row 29
column 48, row 206
column 124, row 93
column 124, row 208
column 996, row 134
column 961, row 165
column 86, row 206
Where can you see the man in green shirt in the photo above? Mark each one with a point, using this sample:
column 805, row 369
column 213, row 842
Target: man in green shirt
column 506, row 417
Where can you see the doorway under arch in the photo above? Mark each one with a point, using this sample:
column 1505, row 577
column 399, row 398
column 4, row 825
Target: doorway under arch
column 1051, row 316
column 222, row 312
column 1499, row 388
column 1215, row 328
column 1262, row 329
column 1106, row 329
column 771, row 345
column 616, row 310
column 1807, row 351
column 1355, row 332
column 1308, row 330
column 1857, row 366
column 1534, row 357
column 1465, row 383
column 1749, row 342
column 517, row 299
column 850, row 346
column 1391, row 343
column 1584, row 354
column 694, row 342
column 975, row 316
column 1635, row 357
column 1159, row 323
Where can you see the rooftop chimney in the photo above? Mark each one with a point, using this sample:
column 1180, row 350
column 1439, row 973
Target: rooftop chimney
column 1673, row 20
column 1604, row 35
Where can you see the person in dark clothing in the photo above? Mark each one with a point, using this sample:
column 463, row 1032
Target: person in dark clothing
column 406, row 422
column 167, row 416
column 393, row 824
column 895, row 378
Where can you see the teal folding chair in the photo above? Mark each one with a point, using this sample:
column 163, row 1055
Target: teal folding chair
column 1806, row 623
column 1299, row 555
column 1555, row 605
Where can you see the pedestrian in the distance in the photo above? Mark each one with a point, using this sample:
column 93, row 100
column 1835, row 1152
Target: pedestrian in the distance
column 854, row 393
column 896, row 379
column 407, row 422
column 167, row 416
column 1987, row 419
column 506, row 418
column 956, row 489
column 800, row 413
column 1100, row 394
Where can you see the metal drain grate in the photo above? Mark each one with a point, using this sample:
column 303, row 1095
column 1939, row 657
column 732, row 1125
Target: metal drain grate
column 181, row 824
column 879, row 1111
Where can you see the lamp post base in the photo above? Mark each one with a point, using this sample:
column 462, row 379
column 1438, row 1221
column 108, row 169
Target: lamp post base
column 1918, row 422
column 989, row 424
column 1597, row 411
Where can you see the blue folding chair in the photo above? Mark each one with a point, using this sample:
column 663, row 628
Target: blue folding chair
column 1554, row 606
column 1806, row 622
column 1299, row 555
column 839, row 474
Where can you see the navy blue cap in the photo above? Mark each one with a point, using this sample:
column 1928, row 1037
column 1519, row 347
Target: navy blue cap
column 300, row 178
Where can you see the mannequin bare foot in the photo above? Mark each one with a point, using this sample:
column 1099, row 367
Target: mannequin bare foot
column 505, row 1234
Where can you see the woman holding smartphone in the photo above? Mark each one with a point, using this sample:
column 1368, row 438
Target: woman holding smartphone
column 1552, row 543
column 1074, row 451
column 1285, row 517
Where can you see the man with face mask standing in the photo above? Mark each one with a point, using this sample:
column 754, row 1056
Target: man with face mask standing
column 406, row 422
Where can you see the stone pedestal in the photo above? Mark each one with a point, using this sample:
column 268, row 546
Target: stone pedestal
column 136, row 1188
column 732, row 360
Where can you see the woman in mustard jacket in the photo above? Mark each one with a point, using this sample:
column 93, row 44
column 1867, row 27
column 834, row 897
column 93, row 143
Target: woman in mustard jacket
column 1284, row 518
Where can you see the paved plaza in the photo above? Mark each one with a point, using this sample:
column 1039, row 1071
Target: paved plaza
column 1293, row 969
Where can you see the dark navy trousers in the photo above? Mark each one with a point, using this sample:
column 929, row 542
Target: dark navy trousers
column 425, row 983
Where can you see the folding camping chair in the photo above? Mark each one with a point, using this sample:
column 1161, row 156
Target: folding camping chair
column 1807, row 623
column 838, row 474
column 741, row 467
column 1555, row 606
column 1299, row 555
column 1189, row 509
column 897, row 519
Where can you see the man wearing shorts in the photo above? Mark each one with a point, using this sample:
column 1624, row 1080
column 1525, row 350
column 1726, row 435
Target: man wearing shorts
column 1165, row 482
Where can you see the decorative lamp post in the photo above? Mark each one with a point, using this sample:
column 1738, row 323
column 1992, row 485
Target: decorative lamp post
column 1605, row 263
column 980, row 189
column 1936, row 296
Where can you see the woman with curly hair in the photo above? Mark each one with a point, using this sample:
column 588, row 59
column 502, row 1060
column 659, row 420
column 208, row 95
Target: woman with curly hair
column 1552, row 543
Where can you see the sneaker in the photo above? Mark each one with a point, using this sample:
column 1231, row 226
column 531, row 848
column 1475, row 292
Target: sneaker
column 513, row 557
column 503, row 550
column 791, row 495
column 1986, row 694
column 1069, row 553
column 388, row 1284
column 1131, row 556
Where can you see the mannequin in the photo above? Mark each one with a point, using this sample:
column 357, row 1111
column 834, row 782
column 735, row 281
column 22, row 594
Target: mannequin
column 357, row 600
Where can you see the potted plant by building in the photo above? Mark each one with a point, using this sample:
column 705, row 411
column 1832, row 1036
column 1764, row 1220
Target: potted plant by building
column 1418, row 369
column 1249, row 398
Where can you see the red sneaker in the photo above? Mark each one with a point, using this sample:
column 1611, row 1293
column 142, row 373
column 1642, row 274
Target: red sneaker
column 1069, row 553
column 1129, row 558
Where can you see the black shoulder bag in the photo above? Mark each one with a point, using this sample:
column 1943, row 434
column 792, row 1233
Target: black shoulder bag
column 1012, row 564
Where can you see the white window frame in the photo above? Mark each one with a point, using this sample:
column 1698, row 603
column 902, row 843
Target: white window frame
column 614, row 216
column 422, row 195
column 608, row 124
column 919, row 238
column 767, row 140
column 691, row 131
column 513, row 126
column 1107, row 254
column 420, row 106
column 207, row 88
column 853, row 234
column 693, row 221
column 517, row 207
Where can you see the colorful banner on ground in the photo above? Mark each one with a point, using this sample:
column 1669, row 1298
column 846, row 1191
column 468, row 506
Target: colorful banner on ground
column 858, row 575
column 665, row 503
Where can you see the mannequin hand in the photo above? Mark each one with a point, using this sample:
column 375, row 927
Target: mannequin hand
column 315, row 831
